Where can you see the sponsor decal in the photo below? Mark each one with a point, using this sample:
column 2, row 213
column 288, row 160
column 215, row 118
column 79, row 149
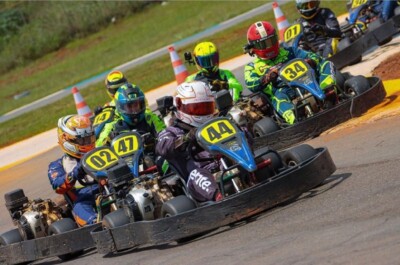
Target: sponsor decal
column 200, row 180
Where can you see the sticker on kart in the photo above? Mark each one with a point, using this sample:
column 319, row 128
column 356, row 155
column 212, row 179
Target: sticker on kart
column 217, row 131
column 357, row 3
column 104, row 116
column 126, row 145
column 292, row 32
column 294, row 70
column 100, row 159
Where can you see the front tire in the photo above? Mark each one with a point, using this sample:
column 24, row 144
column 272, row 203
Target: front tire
column 10, row 237
column 298, row 154
column 62, row 226
column 356, row 85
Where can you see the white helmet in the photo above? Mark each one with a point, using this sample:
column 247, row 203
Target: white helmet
column 194, row 103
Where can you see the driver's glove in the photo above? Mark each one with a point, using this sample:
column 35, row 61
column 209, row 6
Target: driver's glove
column 218, row 85
column 311, row 62
column 269, row 76
column 318, row 29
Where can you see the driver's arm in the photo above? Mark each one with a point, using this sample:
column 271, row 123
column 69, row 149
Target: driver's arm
column 60, row 180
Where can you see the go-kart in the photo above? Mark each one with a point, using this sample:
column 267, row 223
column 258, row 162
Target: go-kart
column 45, row 228
column 307, row 97
column 300, row 35
column 364, row 28
column 250, row 181
column 130, row 182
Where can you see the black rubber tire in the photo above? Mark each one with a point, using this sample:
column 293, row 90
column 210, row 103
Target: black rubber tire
column 265, row 126
column 10, row 237
column 115, row 219
column 269, row 171
column 62, row 226
column 397, row 11
column 177, row 205
column 343, row 44
column 356, row 85
column 296, row 155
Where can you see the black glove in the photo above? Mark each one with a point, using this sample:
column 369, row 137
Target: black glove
column 319, row 29
column 269, row 76
column 78, row 172
column 311, row 62
column 218, row 85
column 98, row 110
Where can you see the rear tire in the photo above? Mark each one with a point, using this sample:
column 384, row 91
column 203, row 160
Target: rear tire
column 271, row 170
column 176, row 206
column 264, row 126
column 62, row 226
column 298, row 154
column 115, row 219
column 356, row 85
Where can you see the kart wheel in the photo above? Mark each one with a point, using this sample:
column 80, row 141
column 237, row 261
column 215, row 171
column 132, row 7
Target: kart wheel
column 264, row 126
column 115, row 219
column 296, row 155
column 343, row 44
column 271, row 170
column 10, row 237
column 176, row 206
column 356, row 85
column 376, row 24
column 62, row 226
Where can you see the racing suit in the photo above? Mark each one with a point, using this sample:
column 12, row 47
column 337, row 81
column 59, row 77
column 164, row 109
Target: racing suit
column 172, row 145
column 323, row 32
column 222, row 79
column 63, row 174
column 151, row 123
column 280, row 94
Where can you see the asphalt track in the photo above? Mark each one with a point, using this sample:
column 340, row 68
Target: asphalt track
column 353, row 218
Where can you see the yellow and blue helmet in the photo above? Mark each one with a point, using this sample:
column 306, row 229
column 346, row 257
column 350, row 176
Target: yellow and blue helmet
column 113, row 81
column 206, row 57
column 130, row 103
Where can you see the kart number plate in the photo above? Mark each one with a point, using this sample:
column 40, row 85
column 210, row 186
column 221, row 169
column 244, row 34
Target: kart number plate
column 292, row 32
column 103, row 116
column 217, row 131
column 101, row 159
column 126, row 145
column 357, row 3
column 294, row 70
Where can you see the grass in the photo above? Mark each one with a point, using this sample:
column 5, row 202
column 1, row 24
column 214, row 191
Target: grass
column 121, row 42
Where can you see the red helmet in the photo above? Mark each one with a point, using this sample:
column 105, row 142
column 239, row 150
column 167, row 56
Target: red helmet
column 263, row 40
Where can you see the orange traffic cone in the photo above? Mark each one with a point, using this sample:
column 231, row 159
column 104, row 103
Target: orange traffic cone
column 81, row 106
column 281, row 20
column 180, row 70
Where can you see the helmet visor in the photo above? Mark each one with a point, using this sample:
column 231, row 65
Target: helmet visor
column 132, row 107
column 208, row 61
column 307, row 6
column 86, row 140
column 265, row 43
column 197, row 109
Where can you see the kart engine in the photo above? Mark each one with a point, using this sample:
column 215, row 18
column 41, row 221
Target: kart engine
column 32, row 217
column 146, row 198
column 249, row 110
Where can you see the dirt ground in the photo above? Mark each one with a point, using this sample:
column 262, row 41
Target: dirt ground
column 388, row 69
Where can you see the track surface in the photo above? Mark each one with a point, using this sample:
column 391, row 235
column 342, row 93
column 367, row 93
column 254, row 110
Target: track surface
column 353, row 218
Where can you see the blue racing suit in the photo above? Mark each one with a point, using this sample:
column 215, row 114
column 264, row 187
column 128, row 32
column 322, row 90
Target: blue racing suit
column 279, row 94
column 63, row 174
